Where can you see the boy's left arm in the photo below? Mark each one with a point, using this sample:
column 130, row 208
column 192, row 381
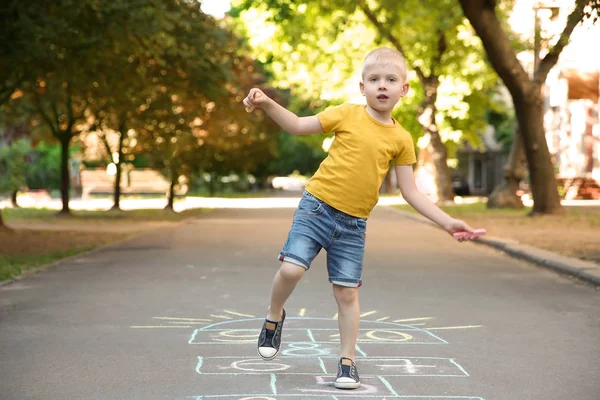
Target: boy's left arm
column 420, row 202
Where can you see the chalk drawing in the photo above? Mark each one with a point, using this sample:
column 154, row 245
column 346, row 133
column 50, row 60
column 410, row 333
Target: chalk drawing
column 365, row 389
column 306, row 366
column 238, row 335
column 330, row 397
column 305, row 349
column 237, row 332
column 258, row 366
column 369, row 367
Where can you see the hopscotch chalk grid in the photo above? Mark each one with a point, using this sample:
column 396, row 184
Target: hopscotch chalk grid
column 307, row 364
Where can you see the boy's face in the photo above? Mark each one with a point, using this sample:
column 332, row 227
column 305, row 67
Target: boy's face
column 383, row 84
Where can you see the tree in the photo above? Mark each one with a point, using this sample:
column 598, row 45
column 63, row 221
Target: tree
column 191, row 127
column 63, row 83
column 199, row 77
column 441, row 58
column 23, row 40
column 526, row 92
column 13, row 159
column 23, row 45
column 60, row 104
column 13, row 167
column 134, row 72
column 157, row 43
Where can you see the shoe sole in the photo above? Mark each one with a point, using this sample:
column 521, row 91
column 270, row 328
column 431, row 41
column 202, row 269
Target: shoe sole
column 273, row 356
column 347, row 385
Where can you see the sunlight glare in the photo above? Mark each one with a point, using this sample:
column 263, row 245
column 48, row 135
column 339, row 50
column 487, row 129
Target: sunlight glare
column 216, row 8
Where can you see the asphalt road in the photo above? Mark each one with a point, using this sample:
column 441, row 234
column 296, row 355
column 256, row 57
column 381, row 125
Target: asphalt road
column 174, row 314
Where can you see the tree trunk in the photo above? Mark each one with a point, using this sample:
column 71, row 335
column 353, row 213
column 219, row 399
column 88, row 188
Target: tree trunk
column 171, row 196
column 525, row 92
column 443, row 178
column 505, row 194
column 212, row 186
column 439, row 154
column 544, row 189
column 117, row 192
column 65, row 177
column 13, row 199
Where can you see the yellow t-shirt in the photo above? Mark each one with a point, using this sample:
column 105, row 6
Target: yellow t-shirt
column 359, row 157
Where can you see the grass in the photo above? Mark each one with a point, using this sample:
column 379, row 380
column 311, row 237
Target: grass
column 87, row 216
column 575, row 234
column 40, row 236
column 238, row 195
column 25, row 250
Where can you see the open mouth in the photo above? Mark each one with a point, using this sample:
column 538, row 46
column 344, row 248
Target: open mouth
column 382, row 97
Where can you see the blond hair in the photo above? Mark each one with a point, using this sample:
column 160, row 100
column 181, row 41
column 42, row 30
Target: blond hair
column 384, row 55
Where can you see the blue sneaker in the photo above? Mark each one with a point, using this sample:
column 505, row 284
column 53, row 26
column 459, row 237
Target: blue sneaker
column 347, row 377
column 269, row 340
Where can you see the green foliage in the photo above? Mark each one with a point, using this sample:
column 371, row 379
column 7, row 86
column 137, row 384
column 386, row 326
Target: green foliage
column 164, row 77
column 301, row 154
column 43, row 167
column 12, row 165
column 316, row 49
column 504, row 123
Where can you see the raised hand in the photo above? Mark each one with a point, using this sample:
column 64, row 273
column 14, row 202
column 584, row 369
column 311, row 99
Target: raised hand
column 255, row 98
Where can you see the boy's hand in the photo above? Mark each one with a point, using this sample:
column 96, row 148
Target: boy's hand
column 457, row 225
column 255, row 98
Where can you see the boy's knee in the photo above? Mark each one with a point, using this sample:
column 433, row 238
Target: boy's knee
column 345, row 295
column 291, row 272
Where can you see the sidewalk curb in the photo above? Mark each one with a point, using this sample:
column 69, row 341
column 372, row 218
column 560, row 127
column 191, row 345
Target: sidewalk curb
column 585, row 270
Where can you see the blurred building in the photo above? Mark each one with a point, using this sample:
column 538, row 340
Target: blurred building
column 571, row 94
column 572, row 89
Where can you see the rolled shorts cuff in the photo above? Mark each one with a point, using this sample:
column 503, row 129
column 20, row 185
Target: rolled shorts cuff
column 346, row 282
column 293, row 260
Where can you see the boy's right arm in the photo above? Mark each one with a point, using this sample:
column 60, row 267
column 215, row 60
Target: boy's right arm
column 286, row 119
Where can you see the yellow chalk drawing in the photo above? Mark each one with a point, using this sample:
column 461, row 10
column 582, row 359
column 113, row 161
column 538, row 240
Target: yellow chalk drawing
column 184, row 322
column 183, row 319
column 238, row 314
column 159, row 326
column 454, row 327
column 413, row 319
column 220, row 316
column 403, row 337
column 367, row 313
column 372, row 336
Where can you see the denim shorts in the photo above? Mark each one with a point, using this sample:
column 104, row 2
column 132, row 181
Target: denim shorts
column 317, row 225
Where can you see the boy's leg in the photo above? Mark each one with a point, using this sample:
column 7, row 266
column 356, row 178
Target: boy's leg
column 269, row 340
column 348, row 318
column 283, row 285
column 311, row 229
column 344, row 265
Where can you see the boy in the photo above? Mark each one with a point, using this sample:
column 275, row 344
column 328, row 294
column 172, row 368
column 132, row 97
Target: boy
column 333, row 212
